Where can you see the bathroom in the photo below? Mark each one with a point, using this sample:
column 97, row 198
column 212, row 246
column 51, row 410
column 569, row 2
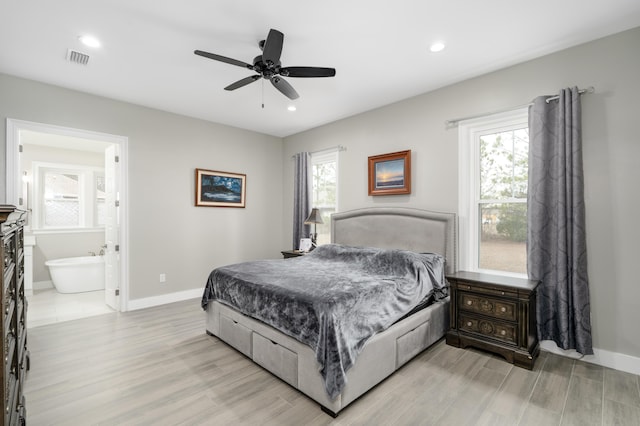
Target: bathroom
column 64, row 190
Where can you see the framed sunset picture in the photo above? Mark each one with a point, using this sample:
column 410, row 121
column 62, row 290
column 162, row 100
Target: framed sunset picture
column 390, row 174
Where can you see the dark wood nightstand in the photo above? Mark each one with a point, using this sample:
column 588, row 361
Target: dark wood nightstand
column 292, row 253
column 494, row 313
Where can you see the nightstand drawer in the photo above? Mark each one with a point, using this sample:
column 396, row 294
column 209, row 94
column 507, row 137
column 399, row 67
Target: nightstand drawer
column 502, row 309
column 489, row 328
column 502, row 292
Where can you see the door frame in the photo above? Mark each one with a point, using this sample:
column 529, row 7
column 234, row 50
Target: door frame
column 14, row 181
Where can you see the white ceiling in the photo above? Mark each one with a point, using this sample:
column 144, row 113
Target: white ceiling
column 380, row 49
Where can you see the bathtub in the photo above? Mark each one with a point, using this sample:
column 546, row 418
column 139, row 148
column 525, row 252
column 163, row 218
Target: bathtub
column 77, row 274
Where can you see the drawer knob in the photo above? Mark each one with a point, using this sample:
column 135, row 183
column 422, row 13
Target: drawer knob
column 469, row 323
column 486, row 327
column 503, row 309
column 503, row 332
column 469, row 302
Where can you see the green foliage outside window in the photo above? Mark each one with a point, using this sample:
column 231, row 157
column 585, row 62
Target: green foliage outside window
column 512, row 222
column 503, row 184
column 324, row 189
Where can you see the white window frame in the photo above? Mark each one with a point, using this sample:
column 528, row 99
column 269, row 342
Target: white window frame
column 87, row 196
column 469, row 133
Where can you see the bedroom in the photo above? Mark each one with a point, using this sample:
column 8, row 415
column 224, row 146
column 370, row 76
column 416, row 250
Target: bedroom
column 165, row 149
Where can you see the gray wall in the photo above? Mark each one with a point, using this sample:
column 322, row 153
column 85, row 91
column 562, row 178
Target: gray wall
column 611, row 160
column 167, row 233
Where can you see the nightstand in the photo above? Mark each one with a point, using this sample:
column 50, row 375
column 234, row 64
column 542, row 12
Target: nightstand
column 292, row 253
column 494, row 313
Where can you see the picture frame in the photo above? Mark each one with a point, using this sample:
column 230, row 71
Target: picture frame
column 220, row 189
column 305, row 244
column 390, row 174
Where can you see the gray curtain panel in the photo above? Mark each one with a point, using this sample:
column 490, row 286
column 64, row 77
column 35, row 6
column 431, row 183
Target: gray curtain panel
column 556, row 241
column 301, row 197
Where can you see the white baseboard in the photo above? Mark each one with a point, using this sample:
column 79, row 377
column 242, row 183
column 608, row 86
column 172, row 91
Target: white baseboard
column 163, row 299
column 615, row 360
column 42, row 285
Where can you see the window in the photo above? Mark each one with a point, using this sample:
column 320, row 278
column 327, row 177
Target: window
column 493, row 176
column 325, row 190
column 68, row 196
column 61, row 198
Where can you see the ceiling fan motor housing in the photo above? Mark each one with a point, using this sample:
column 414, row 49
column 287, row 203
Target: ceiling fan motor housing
column 266, row 69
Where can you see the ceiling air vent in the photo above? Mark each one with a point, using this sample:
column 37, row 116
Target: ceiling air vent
column 77, row 57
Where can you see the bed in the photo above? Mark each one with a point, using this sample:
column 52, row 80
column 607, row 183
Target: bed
column 425, row 237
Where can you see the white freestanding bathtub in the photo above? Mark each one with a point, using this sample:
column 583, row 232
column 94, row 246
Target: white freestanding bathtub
column 77, row 274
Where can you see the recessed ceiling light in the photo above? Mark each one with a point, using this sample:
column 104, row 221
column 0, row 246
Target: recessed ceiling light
column 291, row 107
column 90, row 41
column 437, row 46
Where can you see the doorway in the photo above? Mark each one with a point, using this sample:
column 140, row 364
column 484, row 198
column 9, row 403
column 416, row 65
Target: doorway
column 99, row 221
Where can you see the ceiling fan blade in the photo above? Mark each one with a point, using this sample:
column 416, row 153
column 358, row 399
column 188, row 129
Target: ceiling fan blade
column 273, row 47
column 240, row 83
column 223, row 59
column 284, row 87
column 307, row 72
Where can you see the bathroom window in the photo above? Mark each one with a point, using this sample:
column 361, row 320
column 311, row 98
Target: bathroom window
column 68, row 197
column 61, row 199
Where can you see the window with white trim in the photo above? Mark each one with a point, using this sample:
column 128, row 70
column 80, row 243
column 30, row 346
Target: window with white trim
column 493, row 178
column 324, row 190
column 68, row 197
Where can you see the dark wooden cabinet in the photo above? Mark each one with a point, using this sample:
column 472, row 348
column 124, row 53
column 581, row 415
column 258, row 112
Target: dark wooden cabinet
column 494, row 313
column 14, row 316
column 292, row 253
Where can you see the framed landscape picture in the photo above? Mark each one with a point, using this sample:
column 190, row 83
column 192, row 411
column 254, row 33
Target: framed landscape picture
column 220, row 189
column 390, row 174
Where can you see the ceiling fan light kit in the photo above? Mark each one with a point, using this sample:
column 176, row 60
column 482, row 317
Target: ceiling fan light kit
column 268, row 66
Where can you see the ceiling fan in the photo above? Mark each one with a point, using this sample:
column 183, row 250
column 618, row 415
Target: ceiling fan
column 268, row 66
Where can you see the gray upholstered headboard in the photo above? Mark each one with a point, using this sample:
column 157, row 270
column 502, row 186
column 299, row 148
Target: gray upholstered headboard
column 417, row 230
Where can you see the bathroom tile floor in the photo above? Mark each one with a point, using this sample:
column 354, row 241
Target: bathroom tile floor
column 48, row 306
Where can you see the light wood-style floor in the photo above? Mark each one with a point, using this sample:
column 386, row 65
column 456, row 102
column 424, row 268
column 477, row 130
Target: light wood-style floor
column 157, row 366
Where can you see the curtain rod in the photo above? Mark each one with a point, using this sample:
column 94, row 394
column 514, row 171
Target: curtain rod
column 589, row 89
column 450, row 124
column 331, row 148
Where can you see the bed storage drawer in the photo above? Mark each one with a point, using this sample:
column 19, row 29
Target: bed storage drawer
column 277, row 359
column 412, row 343
column 236, row 334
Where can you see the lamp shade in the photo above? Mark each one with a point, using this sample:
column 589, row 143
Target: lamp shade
column 314, row 217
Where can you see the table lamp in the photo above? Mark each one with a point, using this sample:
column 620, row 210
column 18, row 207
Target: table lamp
column 314, row 218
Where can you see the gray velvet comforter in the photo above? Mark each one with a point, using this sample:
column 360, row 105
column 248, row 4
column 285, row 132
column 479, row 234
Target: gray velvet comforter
column 333, row 299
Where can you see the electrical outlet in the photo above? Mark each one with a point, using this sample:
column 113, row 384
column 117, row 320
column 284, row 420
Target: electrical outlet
column 163, row 278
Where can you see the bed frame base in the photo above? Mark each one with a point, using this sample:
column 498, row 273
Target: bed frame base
column 295, row 362
column 329, row 412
